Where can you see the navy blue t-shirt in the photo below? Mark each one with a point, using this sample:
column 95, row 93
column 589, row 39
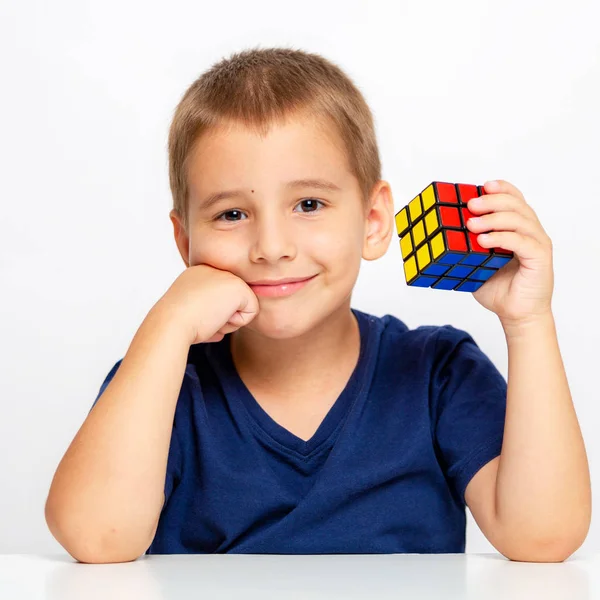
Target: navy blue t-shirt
column 385, row 472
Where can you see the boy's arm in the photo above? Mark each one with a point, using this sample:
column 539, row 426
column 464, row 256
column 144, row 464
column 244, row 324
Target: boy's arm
column 533, row 502
column 108, row 490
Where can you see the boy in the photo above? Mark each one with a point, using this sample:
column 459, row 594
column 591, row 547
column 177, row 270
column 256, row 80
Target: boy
column 255, row 411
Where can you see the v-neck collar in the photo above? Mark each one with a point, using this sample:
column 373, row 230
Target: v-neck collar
column 236, row 390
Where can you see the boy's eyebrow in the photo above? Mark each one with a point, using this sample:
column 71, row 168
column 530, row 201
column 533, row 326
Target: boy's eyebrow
column 320, row 184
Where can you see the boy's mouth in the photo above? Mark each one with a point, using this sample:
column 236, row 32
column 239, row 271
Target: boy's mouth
column 276, row 288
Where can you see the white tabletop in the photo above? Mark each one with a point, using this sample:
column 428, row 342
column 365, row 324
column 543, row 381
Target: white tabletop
column 406, row 576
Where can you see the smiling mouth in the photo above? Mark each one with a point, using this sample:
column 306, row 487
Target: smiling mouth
column 278, row 289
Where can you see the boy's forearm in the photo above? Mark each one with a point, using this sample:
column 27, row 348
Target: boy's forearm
column 543, row 482
column 108, row 490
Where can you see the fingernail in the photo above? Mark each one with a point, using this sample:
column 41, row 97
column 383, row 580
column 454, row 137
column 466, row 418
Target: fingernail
column 493, row 185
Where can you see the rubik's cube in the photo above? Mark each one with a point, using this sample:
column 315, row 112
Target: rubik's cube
column 437, row 248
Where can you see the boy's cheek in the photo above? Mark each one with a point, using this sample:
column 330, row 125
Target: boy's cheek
column 334, row 241
column 216, row 256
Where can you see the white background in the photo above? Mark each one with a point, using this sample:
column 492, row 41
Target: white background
column 461, row 91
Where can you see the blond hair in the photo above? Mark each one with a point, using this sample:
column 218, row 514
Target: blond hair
column 258, row 87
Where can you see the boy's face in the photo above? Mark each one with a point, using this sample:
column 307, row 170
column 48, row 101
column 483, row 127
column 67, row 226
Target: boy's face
column 272, row 231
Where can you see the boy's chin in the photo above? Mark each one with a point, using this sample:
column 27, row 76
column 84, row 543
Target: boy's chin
column 281, row 326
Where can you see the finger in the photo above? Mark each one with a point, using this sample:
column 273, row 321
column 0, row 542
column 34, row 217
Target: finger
column 247, row 314
column 502, row 186
column 236, row 319
column 228, row 328
column 501, row 202
column 508, row 221
column 217, row 337
column 524, row 247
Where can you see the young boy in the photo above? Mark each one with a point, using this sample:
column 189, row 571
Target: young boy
column 255, row 411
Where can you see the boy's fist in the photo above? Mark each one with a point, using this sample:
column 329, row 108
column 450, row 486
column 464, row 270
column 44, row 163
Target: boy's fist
column 208, row 303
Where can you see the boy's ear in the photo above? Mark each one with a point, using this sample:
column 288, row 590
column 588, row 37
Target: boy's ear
column 181, row 237
column 379, row 222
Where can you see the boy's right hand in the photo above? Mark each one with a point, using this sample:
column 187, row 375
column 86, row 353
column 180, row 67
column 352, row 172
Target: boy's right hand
column 209, row 303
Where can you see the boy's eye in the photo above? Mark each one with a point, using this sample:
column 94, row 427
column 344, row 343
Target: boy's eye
column 310, row 204
column 234, row 213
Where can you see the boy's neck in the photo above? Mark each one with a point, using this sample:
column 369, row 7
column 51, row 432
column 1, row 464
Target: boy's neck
column 295, row 364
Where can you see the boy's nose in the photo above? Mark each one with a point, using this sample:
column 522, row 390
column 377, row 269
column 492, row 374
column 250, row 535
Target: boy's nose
column 273, row 241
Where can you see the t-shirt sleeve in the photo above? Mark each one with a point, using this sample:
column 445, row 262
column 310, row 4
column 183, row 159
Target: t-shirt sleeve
column 106, row 381
column 469, row 396
column 174, row 460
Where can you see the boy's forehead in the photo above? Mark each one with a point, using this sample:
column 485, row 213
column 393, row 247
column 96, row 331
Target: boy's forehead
column 232, row 154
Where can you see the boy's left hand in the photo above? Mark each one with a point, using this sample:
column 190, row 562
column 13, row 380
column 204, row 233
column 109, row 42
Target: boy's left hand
column 520, row 291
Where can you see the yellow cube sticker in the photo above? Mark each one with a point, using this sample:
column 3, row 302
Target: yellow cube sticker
column 418, row 232
column 438, row 247
column 423, row 256
column 402, row 221
column 414, row 207
column 428, row 196
column 431, row 222
column 410, row 269
column 406, row 246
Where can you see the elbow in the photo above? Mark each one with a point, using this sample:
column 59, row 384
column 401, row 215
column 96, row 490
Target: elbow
column 100, row 554
column 88, row 546
column 95, row 556
column 551, row 550
column 98, row 558
column 540, row 553
column 552, row 543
